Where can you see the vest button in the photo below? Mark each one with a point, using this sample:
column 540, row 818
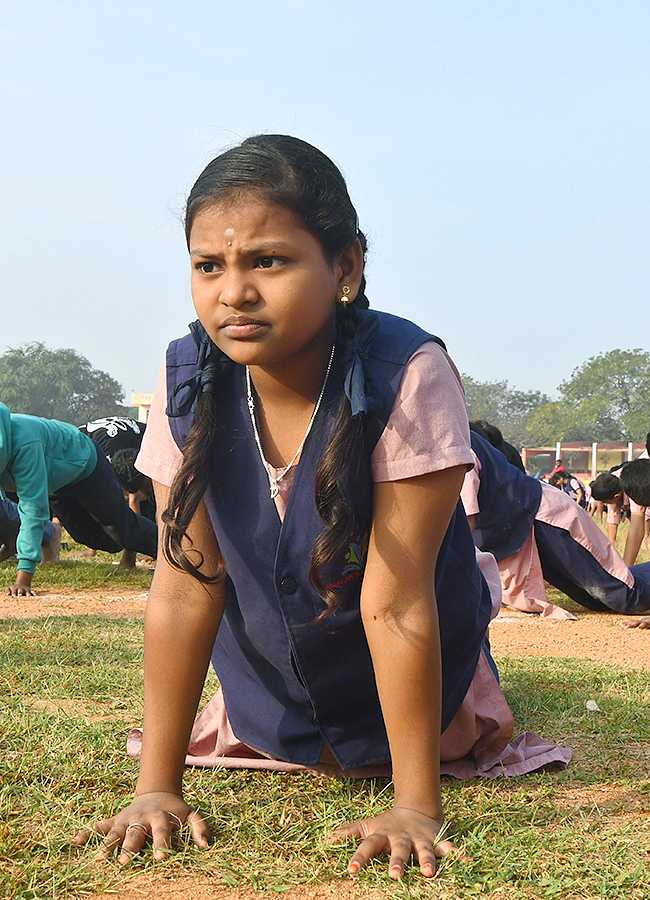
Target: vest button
column 288, row 585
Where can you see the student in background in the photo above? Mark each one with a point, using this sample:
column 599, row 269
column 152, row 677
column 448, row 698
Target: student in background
column 606, row 489
column 115, row 433
column 118, row 435
column 635, row 482
column 571, row 485
column 536, row 532
column 50, row 463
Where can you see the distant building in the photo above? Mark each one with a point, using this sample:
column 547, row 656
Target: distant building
column 582, row 459
column 142, row 402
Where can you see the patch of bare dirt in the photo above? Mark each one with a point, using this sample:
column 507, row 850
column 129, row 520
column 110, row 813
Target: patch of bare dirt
column 122, row 603
column 66, row 707
column 595, row 636
column 201, row 887
column 605, row 800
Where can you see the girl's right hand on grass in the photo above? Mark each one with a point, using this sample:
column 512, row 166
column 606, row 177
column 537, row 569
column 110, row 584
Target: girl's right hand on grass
column 156, row 815
column 398, row 832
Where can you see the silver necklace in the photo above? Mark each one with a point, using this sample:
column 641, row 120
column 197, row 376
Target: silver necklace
column 274, row 479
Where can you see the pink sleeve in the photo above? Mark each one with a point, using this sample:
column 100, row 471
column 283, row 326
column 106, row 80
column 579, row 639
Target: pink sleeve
column 427, row 430
column 634, row 507
column 614, row 511
column 637, row 510
column 160, row 457
column 469, row 490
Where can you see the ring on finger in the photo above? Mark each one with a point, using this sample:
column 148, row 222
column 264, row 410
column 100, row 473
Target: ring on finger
column 136, row 825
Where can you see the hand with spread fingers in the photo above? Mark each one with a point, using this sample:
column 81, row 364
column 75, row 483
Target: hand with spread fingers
column 155, row 815
column 400, row 832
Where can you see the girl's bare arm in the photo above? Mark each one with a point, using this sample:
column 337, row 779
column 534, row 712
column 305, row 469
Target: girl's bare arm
column 400, row 618
column 635, row 536
column 181, row 623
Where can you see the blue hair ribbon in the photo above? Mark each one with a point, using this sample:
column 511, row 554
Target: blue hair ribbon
column 208, row 367
column 359, row 389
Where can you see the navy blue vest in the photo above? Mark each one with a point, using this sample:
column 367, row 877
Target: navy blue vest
column 290, row 683
column 508, row 501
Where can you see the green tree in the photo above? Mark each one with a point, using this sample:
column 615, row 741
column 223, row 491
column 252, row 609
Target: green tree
column 556, row 421
column 499, row 404
column 607, row 398
column 57, row 384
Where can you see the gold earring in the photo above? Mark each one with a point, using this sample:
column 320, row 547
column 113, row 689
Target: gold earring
column 345, row 299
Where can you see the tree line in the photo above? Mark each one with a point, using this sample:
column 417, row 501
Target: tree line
column 607, row 398
column 57, row 384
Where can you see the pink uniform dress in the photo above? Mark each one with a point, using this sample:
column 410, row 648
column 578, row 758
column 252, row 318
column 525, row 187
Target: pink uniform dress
column 522, row 581
column 421, row 436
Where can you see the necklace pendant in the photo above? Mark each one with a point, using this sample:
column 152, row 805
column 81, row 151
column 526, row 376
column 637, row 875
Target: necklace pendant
column 274, row 490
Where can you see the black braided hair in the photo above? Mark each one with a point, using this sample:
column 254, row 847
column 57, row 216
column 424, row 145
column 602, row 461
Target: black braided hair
column 186, row 492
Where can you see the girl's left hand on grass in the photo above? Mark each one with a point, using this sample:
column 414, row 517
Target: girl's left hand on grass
column 399, row 832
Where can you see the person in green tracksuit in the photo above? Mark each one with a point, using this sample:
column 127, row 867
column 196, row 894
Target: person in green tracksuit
column 53, row 464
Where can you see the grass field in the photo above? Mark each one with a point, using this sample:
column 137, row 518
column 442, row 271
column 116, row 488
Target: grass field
column 71, row 689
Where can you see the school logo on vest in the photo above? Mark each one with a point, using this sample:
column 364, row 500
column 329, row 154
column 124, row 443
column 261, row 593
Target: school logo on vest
column 355, row 559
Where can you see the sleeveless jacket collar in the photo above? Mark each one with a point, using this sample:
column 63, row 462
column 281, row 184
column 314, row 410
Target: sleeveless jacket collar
column 289, row 682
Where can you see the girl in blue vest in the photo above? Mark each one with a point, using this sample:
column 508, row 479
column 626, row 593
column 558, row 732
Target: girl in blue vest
column 308, row 462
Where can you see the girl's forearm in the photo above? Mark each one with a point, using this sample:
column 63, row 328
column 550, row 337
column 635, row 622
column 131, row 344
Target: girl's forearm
column 400, row 618
column 635, row 536
column 406, row 658
column 179, row 636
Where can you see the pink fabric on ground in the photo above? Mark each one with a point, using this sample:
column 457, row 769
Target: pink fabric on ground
column 477, row 742
column 523, row 583
column 521, row 576
column 557, row 508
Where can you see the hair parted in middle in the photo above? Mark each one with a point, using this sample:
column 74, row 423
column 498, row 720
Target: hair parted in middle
column 291, row 173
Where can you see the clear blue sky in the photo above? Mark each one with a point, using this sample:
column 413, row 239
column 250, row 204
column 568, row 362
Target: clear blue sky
column 497, row 153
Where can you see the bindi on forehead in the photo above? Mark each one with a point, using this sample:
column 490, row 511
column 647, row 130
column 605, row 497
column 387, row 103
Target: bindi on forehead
column 229, row 233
